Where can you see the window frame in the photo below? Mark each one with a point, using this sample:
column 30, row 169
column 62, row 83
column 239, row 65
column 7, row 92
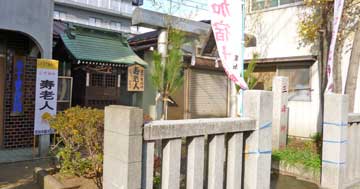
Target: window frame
column 98, row 3
column 96, row 22
column 103, row 79
column 118, row 25
column 119, row 6
column 61, row 15
column 291, row 89
column 265, row 9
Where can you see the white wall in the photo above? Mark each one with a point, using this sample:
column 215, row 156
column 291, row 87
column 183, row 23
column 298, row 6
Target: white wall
column 276, row 34
column 305, row 117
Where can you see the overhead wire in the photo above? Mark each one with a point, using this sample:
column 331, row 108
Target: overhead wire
column 190, row 4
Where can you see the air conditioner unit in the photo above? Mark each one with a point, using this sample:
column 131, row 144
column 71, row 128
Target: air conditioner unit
column 137, row 2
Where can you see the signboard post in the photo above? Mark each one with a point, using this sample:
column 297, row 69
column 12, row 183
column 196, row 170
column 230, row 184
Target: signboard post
column 135, row 78
column 46, row 94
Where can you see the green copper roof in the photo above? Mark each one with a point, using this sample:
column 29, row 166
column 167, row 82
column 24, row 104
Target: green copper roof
column 91, row 45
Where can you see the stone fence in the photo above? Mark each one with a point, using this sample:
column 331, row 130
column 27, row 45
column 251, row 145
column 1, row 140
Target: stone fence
column 341, row 141
column 220, row 153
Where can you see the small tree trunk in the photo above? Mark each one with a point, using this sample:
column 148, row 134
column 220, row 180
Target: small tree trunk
column 353, row 70
column 165, row 108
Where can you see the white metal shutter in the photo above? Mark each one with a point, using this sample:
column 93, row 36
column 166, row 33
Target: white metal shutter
column 207, row 94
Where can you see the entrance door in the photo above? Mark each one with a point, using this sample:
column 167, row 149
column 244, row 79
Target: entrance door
column 2, row 89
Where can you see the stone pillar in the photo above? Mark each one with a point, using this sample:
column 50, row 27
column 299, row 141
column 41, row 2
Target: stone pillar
column 280, row 116
column 122, row 147
column 335, row 128
column 258, row 105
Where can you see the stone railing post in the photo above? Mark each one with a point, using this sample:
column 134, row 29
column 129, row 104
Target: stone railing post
column 122, row 147
column 280, row 116
column 258, row 105
column 335, row 128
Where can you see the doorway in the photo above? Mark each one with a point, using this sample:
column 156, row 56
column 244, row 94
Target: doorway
column 2, row 89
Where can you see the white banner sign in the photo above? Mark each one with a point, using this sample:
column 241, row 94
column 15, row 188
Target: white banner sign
column 338, row 8
column 227, row 22
column 46, row 94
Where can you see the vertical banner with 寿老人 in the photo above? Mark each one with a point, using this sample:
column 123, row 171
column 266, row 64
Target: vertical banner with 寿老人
column 46, row 94
column 227, row 25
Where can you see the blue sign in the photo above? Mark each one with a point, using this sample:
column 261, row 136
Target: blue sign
column 18, row 87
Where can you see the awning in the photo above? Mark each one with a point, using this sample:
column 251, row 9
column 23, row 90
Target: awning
column 95, row 46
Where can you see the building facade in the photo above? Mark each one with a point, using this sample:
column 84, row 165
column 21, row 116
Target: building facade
column 25, row 35
column 275, row 25
column 279, row 46
column 107, row 14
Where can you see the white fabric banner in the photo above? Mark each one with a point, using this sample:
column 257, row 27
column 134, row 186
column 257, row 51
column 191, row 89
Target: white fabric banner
column 46, row 94
column 226, row 22
column 338, row 9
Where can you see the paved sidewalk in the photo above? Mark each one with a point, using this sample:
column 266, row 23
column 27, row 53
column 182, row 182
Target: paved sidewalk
column 20, row 175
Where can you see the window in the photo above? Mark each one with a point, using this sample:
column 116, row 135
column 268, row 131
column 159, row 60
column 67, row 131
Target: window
column 110, row 80
column 58, row 15
column 115, row 26
column 115, row 5
column 81, row 1
column 263, row 4
column 95, row 22
column 97, row 80
column 64, row 93
column 103, row 80
column 299, row 82
column 94, row 2
column 127, row 7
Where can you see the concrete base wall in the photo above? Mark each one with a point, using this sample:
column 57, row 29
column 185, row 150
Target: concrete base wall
column 298, row 171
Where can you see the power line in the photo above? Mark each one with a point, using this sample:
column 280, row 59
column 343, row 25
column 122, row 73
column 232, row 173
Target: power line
column 188, row 3
column 203, row 4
